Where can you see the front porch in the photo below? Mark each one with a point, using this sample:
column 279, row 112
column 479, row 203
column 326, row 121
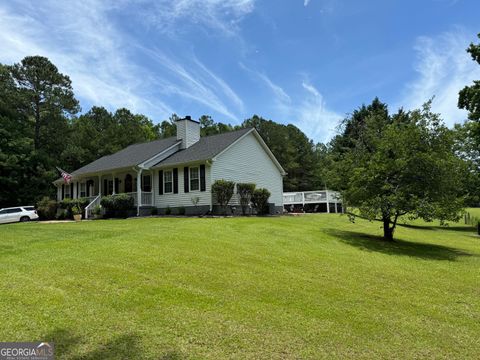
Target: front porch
column 137, row 184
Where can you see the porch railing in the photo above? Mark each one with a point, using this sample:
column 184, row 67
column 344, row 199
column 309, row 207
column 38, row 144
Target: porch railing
column 147, row 198
column 89, row 208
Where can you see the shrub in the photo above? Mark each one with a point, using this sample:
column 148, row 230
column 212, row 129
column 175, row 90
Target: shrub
column 223, row 191
column 168, row 211
column 68, row 204
column 154, row 211
column 62, row 215
column 117, row 205
column 245, row 191
column 76, row 210
column 181, row 210
column 47, row 208
column 97, row 210
column 260, row 200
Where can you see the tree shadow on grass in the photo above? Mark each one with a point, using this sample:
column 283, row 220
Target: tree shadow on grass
column 398, row 247
column 125, row 346
column 459, row 228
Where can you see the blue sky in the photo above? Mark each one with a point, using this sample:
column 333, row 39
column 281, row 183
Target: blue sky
column 306, row 62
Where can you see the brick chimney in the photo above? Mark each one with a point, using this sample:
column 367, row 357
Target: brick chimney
column 188, row 131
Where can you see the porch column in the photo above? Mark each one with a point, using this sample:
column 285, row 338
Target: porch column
column 139, row 190
column 100, row 185
column 75, row 186
column 113, row 183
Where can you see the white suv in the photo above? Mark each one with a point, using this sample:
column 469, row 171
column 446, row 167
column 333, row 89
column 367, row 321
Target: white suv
column 19, row 213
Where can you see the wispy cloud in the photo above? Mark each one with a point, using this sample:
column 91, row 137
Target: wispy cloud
column 308, row 110
column 443, row 68
column 197, row 83
column 219, row 15
column 280, row 95
column 81, row 38
column 314, row 117
column 306, row 2
column 78, row 38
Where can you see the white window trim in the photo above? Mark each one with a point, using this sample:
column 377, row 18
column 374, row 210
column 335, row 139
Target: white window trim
column 190, row 178
column 165, row 181
column 143, row 182
column 83, row 189
column 67, row 194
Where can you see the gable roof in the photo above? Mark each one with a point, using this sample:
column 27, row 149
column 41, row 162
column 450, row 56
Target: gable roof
column 130, row 156
column 206, row 148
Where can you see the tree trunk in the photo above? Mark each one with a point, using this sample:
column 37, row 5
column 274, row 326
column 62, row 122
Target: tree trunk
column 387, row 230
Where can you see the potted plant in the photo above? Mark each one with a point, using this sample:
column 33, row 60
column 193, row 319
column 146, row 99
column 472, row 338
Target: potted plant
column 77, row 213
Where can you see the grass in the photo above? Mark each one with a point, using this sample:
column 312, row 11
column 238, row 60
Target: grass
column 475, row 212
column 315, row 286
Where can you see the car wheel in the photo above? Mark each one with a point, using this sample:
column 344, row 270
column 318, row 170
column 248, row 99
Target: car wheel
column 24, row 219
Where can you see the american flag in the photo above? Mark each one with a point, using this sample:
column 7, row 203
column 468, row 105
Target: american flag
column 66, row 176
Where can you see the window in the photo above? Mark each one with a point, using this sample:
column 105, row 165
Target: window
column 168, row 181
column 194, row 179
column 83, row 189
column 29, row 208
column 67, row 192
column 147, row 183
column 13, row 211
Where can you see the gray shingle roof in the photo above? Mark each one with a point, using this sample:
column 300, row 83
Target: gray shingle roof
column 206, row 148
column 130, row 156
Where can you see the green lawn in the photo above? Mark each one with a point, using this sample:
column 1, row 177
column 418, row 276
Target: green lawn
column 315, row 286
column 474, row 212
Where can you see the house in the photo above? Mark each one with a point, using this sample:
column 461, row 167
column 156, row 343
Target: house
column 177, row 172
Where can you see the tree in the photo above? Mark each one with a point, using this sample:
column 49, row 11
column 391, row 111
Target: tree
column 16, row 143
column 292, row 148
column 469, row 133
column 469, row 96
column 398, row 165
column 47, row 92
column 99, row 132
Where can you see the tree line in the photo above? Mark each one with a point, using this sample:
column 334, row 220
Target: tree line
column 41, row 127
column 386, row 165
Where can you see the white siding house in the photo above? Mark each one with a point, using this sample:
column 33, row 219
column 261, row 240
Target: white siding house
column 249, row 161
column 177, row 173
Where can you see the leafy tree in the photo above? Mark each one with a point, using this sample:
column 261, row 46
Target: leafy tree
column 469, row 133
column 468, row 150
column 292, row 148
column 208, row 126
column 98, row 133
column 469, row 96
column 396, row 165
column 47, row 92
column 16, row 143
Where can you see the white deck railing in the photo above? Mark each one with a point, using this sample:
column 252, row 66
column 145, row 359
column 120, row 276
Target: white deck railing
column 310, row 197
column 147, row 198
column 95, row 200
